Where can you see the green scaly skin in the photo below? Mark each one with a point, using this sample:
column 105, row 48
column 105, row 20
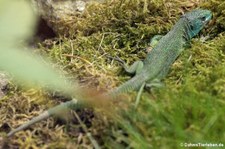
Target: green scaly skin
column 155, row 66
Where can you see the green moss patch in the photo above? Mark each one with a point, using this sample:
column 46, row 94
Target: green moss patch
column 190, row 108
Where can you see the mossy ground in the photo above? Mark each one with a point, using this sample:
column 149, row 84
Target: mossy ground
column 189, row 109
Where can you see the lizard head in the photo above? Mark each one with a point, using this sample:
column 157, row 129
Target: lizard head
column 197, row 19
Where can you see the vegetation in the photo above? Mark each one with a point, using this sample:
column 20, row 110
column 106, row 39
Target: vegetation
column 189, row 109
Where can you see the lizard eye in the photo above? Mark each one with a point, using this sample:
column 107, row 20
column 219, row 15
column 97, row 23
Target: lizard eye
column 192, row 27
column 203, row 19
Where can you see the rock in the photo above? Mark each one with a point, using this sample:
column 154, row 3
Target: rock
column 4, row 81
column 58, row 12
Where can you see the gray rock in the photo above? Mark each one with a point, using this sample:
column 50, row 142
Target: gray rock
column 4, row 81
column 58, row 12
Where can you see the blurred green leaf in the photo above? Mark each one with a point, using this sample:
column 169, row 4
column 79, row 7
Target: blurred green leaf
column 30, row 69
column 16, row 21
column 16, row 24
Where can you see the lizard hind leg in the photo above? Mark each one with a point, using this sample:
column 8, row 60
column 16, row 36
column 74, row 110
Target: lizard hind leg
column 135, row 68
column 155, row 83
column 139, row 95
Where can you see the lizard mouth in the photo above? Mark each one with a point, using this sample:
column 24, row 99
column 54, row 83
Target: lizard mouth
column 208, row 19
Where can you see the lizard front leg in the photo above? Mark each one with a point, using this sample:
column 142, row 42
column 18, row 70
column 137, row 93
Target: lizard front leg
column 153, row 42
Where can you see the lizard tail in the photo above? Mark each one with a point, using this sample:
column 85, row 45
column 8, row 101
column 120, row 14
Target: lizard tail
column 46, row 114
column 43, row 116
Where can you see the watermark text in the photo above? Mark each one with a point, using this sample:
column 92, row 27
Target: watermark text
column 188, row 144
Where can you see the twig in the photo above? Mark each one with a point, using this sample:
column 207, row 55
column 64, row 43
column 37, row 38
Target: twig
column 93, row 141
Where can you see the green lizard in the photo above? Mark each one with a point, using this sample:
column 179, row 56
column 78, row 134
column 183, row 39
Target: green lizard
column 155, row 66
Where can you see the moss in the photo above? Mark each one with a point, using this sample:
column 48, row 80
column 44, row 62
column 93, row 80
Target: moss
column 189, row 109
